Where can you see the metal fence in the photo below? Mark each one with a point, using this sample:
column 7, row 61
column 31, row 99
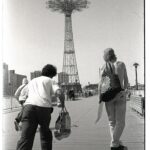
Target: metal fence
column 137, row 103
column 10, row 103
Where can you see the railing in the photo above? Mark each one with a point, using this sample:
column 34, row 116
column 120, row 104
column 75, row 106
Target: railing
column 137, row 103
column 10, row 103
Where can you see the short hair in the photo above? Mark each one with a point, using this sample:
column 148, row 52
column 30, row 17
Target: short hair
column 49, row 71
column 109, row 55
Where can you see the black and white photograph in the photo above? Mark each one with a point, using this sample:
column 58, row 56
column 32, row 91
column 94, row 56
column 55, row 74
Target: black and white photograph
column 73, row 75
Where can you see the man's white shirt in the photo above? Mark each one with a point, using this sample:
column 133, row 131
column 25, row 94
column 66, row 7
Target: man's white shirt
column 40, row 91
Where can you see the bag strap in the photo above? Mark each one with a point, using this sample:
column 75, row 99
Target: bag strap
column 111, row 70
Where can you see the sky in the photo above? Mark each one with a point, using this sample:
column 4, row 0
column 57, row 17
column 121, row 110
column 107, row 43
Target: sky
column 33, row 36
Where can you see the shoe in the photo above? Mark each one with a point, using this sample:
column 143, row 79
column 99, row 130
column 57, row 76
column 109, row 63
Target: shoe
column 16, row 125
column 120, row 147
column 114, row 148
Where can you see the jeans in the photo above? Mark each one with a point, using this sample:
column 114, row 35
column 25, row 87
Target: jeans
column 19, row 116
column 116, row 111
column 31, row 117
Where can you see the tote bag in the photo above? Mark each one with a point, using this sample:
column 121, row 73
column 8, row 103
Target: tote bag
column 63, row 125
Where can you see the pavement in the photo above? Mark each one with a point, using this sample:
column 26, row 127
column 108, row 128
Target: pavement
column 85, row 135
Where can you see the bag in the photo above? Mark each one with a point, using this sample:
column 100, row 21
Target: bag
column 63, row 125
column 110, row 86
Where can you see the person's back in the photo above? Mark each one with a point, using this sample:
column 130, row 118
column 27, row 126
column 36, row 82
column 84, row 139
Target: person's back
column 40, row 92
column 115, row 107
column 38, row 109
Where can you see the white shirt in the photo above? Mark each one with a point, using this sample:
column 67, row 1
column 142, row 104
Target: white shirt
column 21, row 93
column 40, row 91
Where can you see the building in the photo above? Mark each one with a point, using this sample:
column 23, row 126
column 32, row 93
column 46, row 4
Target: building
column 90, row 89
column 11, row 80
column 63, row 78
column 91, row 86
column 14, row 81
column 5, row 79
column 35, row 74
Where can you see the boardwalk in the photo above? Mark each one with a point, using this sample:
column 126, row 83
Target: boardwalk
column 85, row 134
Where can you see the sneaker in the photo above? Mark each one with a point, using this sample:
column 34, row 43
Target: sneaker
column 16, row 125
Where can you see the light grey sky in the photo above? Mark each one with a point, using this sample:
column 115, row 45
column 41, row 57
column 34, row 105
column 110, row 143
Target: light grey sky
column 34, row 36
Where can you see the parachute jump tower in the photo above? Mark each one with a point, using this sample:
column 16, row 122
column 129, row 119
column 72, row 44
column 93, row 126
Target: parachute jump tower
column 67, row 7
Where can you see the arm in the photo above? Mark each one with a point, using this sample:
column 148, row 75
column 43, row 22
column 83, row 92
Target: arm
column 100, row 107
column 56, row 90
column 99, row 113
column 61, row 96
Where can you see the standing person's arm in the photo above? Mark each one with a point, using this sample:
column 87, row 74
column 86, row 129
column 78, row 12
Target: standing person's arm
column 100, row 106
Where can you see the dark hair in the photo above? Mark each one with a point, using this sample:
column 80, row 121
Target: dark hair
column 49, row 71
column 109, row 55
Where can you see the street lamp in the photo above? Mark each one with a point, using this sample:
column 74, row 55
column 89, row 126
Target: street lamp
column 136, row 81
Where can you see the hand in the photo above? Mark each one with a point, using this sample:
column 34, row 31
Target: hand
column 96, row 121
column 99, row 113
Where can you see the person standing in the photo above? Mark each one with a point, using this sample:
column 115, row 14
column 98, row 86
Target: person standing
column 38, row 108
column 116, row 108
column 21, row 96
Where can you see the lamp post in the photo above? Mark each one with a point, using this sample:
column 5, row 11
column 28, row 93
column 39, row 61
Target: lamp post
column 136, row 80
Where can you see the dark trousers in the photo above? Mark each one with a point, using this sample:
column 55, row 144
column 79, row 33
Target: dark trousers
column 19, row 116
column 31, row 117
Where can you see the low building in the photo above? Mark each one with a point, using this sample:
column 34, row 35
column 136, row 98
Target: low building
column 11, row 80
column 15, row 80
column 35, row 74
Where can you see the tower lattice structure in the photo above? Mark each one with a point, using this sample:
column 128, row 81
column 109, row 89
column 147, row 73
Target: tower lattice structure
column 67, row 7
column 69, row 58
